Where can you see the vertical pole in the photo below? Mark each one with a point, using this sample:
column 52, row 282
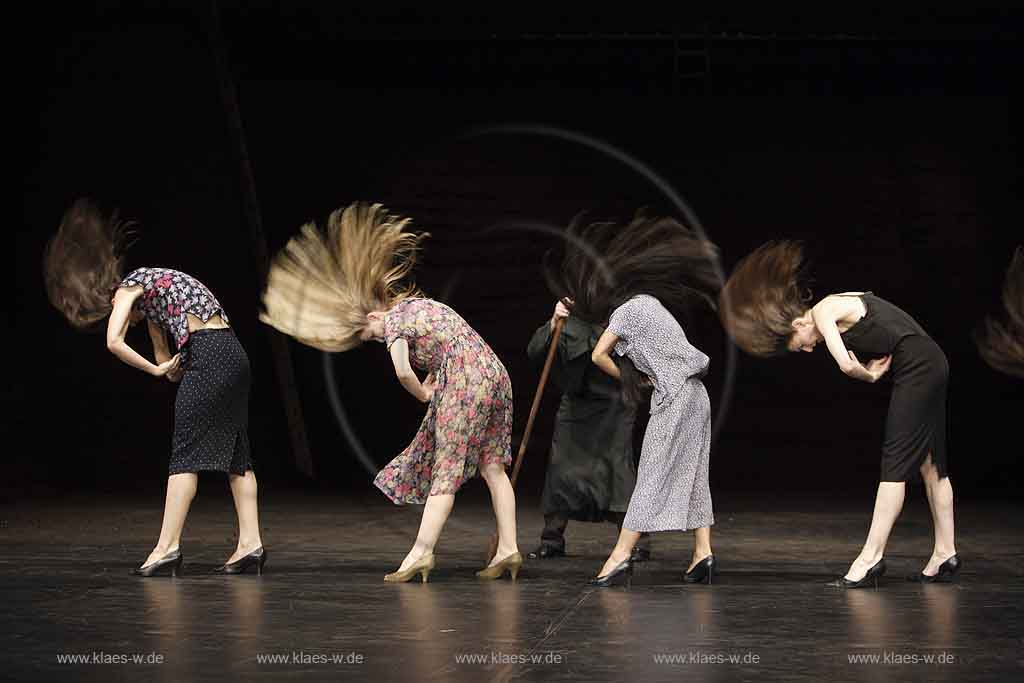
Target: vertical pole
column 253, row 216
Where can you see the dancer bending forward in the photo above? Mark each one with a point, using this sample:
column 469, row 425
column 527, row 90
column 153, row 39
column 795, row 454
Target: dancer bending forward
column 338, row 291
column 83, row 267
column 638, row 278
column 766, row 308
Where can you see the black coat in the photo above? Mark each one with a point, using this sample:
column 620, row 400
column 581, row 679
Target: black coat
column 591, row 470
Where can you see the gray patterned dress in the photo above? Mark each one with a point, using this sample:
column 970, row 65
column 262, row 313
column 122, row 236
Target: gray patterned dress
column 672, row 491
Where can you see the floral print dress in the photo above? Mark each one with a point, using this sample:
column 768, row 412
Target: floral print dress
column 168, row 296
column 469, row 419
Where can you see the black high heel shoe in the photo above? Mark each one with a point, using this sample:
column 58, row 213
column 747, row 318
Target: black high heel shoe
column 702, row 571
column 257, row 558
column 871, row 576
column 168, row 564
column 623, row 570
column 948, row 572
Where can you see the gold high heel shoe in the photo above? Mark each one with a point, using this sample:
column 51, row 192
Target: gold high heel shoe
column 422, row 565
column 512, row 563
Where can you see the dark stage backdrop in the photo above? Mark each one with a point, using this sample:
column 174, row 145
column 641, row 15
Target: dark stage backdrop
column 897, row 183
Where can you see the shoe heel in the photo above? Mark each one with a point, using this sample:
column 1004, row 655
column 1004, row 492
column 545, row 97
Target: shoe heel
column 514, row 571
column 424, row 573
column 175, row 569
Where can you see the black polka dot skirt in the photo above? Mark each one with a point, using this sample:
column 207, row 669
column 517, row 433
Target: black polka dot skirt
column 211, row 412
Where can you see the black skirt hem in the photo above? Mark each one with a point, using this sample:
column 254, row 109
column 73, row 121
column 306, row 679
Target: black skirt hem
column 211, row 468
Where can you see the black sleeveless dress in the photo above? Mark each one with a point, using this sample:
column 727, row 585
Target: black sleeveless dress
column 916, row 424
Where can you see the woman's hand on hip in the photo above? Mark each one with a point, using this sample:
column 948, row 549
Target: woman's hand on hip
column 429, row 385
column 879, row 366
column 168, row 367
column 176, row 374
column 870, row 373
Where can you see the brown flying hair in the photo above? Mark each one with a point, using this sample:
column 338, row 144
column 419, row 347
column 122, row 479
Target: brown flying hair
column 82, row 263
column 1001, row 343
column 766, row 291
column 603, row 264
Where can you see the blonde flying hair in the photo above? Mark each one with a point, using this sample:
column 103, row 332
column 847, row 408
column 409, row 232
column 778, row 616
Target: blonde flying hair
column 82, row 263
column 321, row 286
column 765, row 293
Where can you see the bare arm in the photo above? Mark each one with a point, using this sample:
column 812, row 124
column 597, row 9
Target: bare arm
column 601, row 355
column 162, row 352
column 159, row 339
column 826, row 314
column 117, row 326
column 400, row 358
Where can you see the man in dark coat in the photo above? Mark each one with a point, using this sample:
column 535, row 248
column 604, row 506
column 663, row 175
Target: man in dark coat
column 591, row 472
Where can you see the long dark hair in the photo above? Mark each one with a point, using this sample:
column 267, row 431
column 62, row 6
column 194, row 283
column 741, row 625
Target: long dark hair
column 82, row 263
column 1000, row 343
column 603, row 264
column 766, row 291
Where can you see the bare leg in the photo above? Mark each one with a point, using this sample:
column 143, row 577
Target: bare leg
column 435, row 514
column 622, row 550
column 243, row 490
column 888, row 504
column 940, row 500
column 181, row 489
column 503, row 497
column 701, row 545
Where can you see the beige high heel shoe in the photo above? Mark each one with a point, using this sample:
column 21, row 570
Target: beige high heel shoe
column 512, row 563
column 422, row 566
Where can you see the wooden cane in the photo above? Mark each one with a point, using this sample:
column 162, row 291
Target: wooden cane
column 555, row 334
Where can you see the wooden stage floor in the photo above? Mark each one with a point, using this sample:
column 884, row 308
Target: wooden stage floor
column 322, row 612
